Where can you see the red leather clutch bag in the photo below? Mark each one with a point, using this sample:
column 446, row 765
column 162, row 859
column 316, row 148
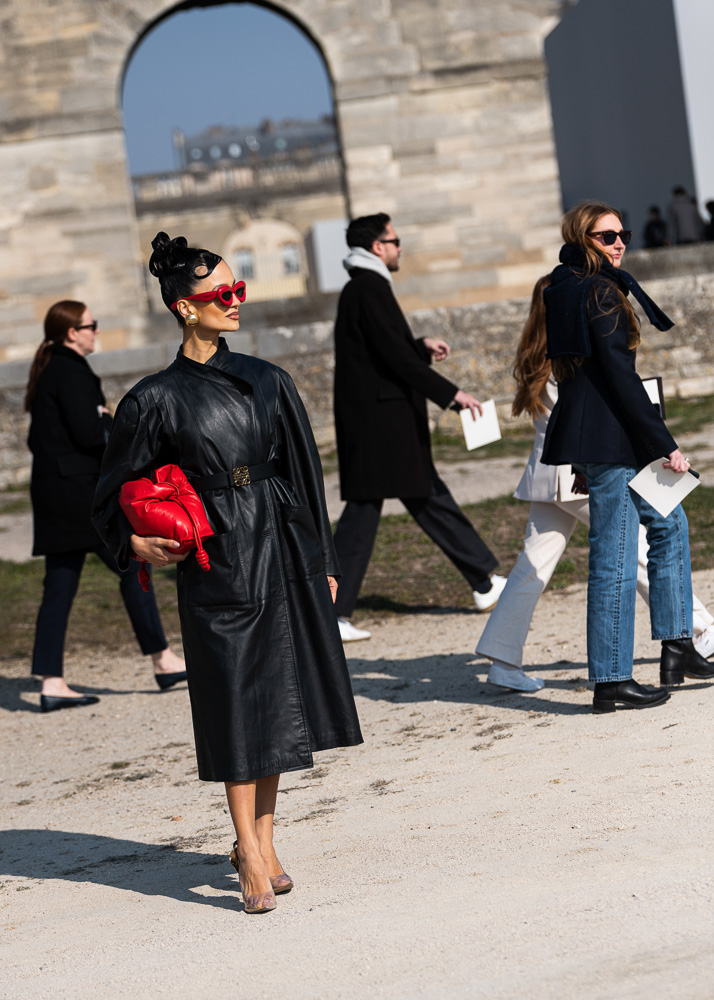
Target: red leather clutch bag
column 166, row 506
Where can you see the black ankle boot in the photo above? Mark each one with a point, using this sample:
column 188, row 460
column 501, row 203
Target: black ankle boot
column 679, row 659
column 628, row 693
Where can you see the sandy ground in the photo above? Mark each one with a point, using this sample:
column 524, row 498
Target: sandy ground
column 479, row 844
column 462, row 851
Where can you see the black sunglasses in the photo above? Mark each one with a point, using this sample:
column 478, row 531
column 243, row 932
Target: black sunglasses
column 609, row 236
column 397, row 242
column 88, row 326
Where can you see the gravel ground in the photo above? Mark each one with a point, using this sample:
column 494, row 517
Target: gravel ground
column 462, row 851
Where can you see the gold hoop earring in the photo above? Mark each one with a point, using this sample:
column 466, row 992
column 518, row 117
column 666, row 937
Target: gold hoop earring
column 191, row 320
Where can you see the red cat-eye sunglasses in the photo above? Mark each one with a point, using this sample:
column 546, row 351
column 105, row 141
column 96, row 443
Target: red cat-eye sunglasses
column 224, row 293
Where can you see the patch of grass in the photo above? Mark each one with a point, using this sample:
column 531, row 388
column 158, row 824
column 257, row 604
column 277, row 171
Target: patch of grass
column 685, row 416
column 408, row 573
column 447, row 447
column 15, row 500
column 98, row 619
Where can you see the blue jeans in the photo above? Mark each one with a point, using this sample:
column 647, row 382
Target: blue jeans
column 615, row 514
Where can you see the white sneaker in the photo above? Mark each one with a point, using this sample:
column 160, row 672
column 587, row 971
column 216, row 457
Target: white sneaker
column 704, row 642
column 348, row 633
column 504, row 675
column 484, row 602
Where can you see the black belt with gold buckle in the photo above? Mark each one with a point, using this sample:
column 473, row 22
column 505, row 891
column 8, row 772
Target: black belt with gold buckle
column 242, row 475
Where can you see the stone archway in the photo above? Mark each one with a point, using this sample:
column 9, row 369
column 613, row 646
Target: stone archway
column 445, row 124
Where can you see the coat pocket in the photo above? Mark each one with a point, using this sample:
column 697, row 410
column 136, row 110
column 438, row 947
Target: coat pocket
column 300, row 542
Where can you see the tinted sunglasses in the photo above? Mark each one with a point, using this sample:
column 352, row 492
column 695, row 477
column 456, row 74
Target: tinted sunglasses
column 397, row 242
column 88, row 326
column 224, row 294
column 609, row 236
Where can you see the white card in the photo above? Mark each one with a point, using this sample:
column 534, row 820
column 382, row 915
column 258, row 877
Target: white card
column 484, row 429
column 662, row 488
column 654, row 389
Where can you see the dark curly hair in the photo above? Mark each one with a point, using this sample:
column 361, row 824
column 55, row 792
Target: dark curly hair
column 179, row 267
column 364, row 231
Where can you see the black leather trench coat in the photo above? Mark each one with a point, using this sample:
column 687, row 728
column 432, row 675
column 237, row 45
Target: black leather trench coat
column 67, row 438
column 267, row 675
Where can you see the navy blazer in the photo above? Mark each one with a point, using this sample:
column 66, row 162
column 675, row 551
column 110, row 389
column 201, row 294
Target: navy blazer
column 603, row 413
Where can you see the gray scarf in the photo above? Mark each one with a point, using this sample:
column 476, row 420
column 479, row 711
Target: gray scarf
column 359, row 257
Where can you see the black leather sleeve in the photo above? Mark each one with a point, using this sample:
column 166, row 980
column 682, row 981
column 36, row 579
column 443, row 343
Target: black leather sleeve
column 300, row 464
column 133, row 451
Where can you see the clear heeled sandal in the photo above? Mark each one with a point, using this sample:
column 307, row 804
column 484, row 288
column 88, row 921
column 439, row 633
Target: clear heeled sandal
column 258, row 902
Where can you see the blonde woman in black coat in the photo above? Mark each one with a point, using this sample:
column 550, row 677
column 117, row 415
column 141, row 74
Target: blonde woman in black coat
column 69, row 427
column 605, row 426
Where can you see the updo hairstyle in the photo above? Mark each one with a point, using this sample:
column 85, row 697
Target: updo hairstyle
column 179, row 268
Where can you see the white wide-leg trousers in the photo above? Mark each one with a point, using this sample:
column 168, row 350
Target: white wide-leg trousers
column 550, row 526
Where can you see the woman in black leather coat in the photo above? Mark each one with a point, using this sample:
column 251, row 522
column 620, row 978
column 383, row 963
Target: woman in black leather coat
column 267, row 675
column 69, row 427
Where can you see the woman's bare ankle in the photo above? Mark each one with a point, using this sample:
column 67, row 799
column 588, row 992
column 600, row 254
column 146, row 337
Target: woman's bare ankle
column 57, row 687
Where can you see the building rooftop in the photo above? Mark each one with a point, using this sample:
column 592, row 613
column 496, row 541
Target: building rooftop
column 235, row 144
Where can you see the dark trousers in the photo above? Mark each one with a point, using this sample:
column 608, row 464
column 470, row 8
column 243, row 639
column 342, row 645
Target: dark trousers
column 438, row 515
column 62, row 574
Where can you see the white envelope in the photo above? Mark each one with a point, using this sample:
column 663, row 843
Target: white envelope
column 662, row 488
column 484, row 429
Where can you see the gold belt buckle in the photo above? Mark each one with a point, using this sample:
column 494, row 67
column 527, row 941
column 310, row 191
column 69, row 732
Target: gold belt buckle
column 241, row 476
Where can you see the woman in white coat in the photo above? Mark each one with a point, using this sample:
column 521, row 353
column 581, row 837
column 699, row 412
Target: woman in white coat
column 558, row 502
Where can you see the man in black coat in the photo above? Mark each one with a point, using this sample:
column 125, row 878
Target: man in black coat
column 382, row 381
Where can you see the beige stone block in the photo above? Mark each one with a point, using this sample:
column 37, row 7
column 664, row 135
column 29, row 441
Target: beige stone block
column 451, row 146
column 445, row 263
column 384, row 107
column 421, row 237
column 693, row 388
column 546, row 237
column 369, row 156
column 360, row 90
column 396, row 61
column 113, row 340
column 524, row 275
column 514, row 47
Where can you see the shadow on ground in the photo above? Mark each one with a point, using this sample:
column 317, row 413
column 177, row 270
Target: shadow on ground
column 12, row 690
column 461, row 678
column 148, row 869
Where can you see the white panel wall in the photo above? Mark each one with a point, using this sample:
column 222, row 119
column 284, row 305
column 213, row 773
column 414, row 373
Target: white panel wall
column 695, row 30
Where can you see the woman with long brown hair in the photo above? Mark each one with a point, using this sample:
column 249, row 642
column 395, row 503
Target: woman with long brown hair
column 605, row 426
column 558, row 502
column 69, row 427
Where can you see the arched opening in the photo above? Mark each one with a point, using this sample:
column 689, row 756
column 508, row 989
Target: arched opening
column 232, row 139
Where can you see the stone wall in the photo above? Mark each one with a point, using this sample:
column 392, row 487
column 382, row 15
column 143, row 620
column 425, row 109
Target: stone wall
column 444, row 120
column 483, row 337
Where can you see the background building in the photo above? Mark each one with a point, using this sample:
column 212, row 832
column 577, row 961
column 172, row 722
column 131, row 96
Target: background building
column 257, row 193
column 630, row 87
